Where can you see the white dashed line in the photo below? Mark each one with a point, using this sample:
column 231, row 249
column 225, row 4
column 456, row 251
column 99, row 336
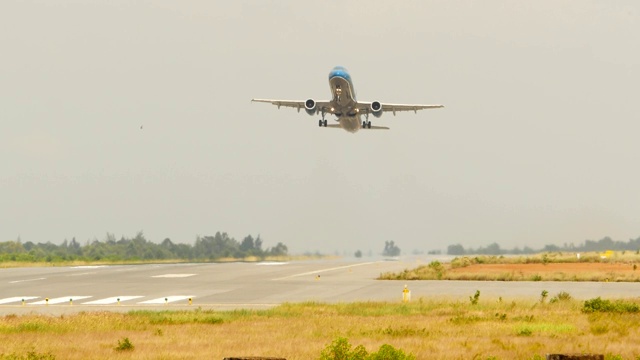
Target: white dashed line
column 20, row 281
column 173, row 276
column 326, row 270
column 17, row 299
column 111, row 300
column 59, row 300
column 167, row 299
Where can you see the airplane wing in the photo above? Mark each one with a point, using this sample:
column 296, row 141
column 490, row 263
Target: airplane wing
column 297, row 104
column 365, row 107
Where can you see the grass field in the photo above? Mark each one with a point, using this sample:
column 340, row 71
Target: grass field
column 615, row 267
column 428, row 329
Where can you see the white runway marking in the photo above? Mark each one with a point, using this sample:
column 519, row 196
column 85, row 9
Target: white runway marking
column 326, row 270
column 168, row 299
column 173, row 276
column 274, row 263
column 17, row 299
column 19, row 281
column 88, row 266
column 111, row 300
column 59, row 300
column 87, row 273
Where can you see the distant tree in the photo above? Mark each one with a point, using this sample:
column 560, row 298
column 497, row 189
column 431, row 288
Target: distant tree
column 455, row 249
column 279, row 250
column 390, row 249
column 358, row 254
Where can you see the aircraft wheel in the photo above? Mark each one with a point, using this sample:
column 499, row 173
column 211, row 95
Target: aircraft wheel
column 325, row 123
column 320, row 122
column 364, row 124
column 369, row 124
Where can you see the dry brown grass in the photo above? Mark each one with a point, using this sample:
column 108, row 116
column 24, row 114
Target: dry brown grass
column 430, row 329
column 618, row 267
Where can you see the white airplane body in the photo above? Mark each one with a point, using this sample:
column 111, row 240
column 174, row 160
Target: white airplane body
column 347, row 110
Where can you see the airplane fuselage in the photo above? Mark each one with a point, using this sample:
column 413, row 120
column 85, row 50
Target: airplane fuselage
column 343, row 102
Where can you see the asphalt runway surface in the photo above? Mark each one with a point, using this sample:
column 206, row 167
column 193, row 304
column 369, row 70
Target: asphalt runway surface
column 228, row 286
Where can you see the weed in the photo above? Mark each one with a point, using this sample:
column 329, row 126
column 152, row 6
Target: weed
column 501, row 317
column 405, row 331
column 474, row 299
column 543, row 295
column 613, row 357
column 31, row 355
column 524, row 331
column 124, row 345
column 536, row 277
column 158, row 332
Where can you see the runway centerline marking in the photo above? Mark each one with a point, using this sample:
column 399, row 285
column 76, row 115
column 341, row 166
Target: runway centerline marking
column 81, row 274
column 19, row 281
column 326, row 270
column 272, row 263
column 171, row 276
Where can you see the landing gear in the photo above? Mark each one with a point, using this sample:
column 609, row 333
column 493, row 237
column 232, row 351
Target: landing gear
column 322, row 122
column 366, row 124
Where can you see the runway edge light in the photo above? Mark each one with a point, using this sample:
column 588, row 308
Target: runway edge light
column 406, row 294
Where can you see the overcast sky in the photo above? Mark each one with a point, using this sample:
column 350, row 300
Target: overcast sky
column 538, row 143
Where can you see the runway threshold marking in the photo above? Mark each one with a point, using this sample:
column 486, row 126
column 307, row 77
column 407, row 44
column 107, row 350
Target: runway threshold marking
column 111, row 300
column 59, row 300
column 166, row 299
column 17, row 299
column 20, row 281
column 326, row 270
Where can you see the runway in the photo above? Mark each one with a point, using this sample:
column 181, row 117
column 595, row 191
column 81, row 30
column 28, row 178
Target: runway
column 227, row 286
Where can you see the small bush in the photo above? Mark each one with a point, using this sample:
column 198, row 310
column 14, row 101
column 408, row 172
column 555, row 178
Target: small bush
column 340, row 349
column 600, row 305
column 124, row 345
column 388, row 352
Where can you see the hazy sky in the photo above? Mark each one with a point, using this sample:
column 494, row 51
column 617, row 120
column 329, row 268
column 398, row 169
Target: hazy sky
column 538, row 142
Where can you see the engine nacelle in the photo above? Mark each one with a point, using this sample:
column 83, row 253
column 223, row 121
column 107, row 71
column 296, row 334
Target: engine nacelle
column 310, row 106
column 376, row 109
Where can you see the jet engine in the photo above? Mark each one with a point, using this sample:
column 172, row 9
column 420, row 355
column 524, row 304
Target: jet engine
column 376, row 108
column 310, row 106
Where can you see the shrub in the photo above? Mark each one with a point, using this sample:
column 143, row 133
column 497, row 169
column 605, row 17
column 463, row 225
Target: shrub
column 599, row 305
column 340, row 349
column 124, row 345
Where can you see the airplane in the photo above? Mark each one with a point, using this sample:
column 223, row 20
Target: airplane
column 344, row 106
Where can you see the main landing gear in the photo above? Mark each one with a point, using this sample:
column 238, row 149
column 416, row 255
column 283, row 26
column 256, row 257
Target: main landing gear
column 322, row 122
column 366, row 124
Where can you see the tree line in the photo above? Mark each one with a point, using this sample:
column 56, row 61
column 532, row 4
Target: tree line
column 206, row 248
column 603, row 244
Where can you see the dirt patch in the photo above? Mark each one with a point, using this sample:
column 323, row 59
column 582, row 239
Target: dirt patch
column 550, row 268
